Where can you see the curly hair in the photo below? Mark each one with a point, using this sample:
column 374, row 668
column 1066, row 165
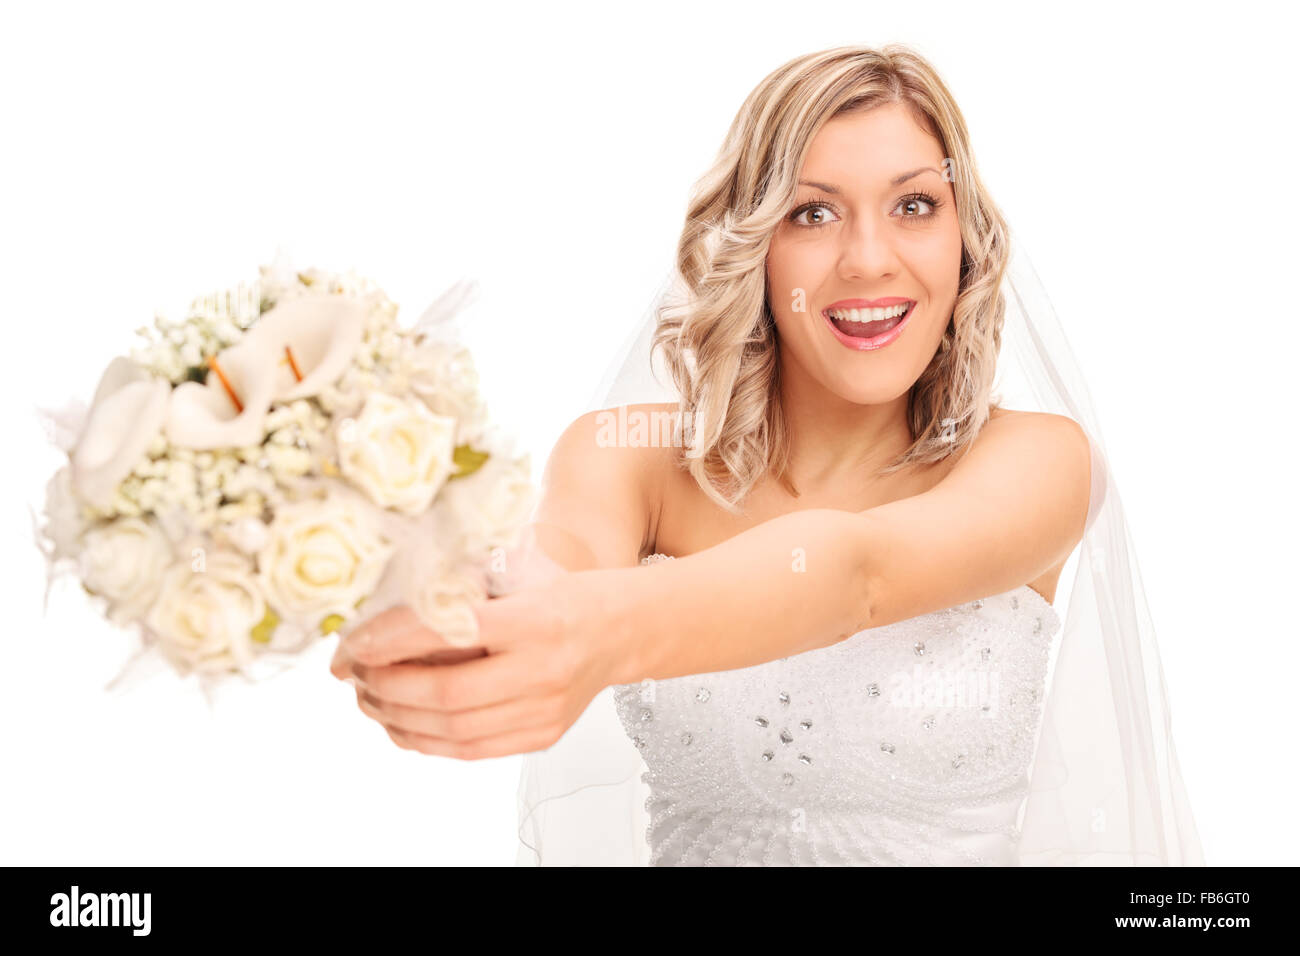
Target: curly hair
column 719, row 341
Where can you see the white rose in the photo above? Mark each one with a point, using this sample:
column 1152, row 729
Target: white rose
column 206, row 611
column 321, row 558
column 445, row 379
column 445, row 603
column 126, row 415
column 491, row 505
column 398, row 451
column 124, row 562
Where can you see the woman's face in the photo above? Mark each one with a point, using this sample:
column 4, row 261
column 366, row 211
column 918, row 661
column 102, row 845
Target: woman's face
column 866, row 229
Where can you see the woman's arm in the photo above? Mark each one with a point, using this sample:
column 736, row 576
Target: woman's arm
column 1013, row 507
column 1010, row 509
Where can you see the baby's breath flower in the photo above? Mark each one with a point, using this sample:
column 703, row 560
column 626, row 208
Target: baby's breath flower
column 288, row 462
column 278, row 417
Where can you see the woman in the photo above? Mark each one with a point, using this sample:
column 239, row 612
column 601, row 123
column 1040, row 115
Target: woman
column 839, row 652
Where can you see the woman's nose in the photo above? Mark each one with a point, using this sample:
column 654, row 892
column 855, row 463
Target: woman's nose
column 866, row 250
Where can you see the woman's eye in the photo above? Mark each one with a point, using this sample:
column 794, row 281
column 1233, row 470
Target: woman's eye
column 912, row 202
column 823, row 212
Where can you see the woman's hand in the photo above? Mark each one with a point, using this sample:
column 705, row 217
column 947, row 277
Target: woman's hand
column 542, row 654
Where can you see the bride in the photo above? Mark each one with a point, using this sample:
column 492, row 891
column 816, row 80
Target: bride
column 803, row 611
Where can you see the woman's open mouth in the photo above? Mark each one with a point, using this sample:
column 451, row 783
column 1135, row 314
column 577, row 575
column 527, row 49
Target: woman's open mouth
column 869, row 328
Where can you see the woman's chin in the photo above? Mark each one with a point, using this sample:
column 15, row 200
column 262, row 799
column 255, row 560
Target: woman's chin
column 854, row 390
column 844, row 374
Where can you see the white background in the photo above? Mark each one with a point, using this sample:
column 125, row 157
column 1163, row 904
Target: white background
column 1144, row 154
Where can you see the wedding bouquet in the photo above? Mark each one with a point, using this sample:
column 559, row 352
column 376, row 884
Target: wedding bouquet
column 281, row 462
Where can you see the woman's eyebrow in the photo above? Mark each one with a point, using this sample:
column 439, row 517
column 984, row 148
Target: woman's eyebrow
column 896, row 181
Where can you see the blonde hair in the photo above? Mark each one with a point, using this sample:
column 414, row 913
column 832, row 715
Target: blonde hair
column 720, row 344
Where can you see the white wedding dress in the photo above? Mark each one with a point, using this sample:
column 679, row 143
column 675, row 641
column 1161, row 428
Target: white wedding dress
column 907, row 744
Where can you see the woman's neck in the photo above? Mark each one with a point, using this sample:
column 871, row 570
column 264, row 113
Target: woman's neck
column 833, row 439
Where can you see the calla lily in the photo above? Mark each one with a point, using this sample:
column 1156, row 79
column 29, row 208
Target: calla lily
column 321, row 335
column 125, row 416
column 229, row 413
column 295, row 350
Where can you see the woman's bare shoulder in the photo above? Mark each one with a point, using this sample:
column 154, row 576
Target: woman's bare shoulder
column 1019, row 418
column 636, row 443
column 1047, row 433
column 602, row 485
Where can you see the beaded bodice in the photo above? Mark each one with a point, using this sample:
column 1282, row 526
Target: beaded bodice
column 903, row 744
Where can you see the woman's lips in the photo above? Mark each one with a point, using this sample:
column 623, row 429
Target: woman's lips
column 865, row 336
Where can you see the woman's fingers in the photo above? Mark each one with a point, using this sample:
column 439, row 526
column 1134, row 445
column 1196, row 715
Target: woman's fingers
column 524, row 739
column 479, row 683
column 343, row 664
column 465, row 725
column 455, row 656
column 397, row 634
column 396, row 620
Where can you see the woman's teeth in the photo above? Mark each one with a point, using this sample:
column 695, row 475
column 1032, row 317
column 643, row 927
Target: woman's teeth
column 867, row 323
column 868, row 315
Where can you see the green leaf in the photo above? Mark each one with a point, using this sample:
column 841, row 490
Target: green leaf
column 467, row 461
column 331, row 623
column 264, row 628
